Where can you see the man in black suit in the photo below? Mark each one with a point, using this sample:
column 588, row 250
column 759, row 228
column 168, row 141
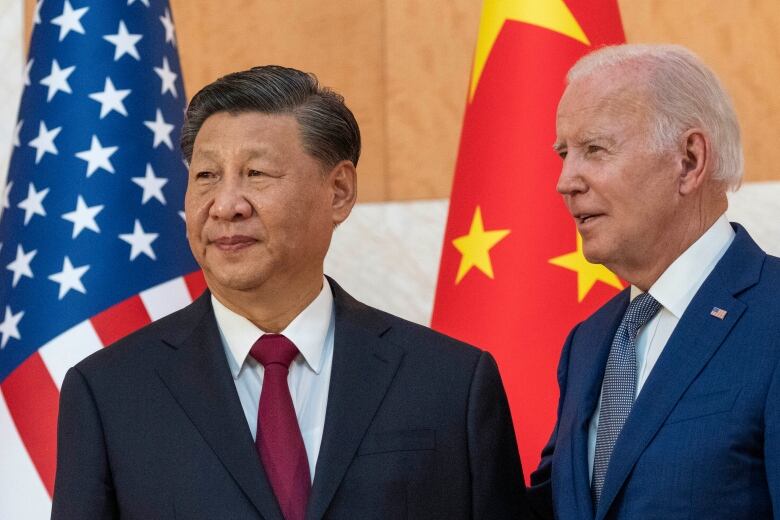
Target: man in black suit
column 276, row 394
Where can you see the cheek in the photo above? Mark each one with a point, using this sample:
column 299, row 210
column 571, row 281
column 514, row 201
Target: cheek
column 196, row 208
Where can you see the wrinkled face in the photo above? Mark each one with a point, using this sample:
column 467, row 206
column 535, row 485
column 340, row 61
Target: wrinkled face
column 622, row 193
column 258, row 207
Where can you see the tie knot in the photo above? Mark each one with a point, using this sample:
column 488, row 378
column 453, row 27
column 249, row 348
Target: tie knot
column 641, row 310
column 273, row 349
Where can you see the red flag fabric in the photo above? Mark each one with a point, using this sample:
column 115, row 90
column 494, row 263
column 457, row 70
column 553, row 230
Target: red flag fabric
column 512, row 277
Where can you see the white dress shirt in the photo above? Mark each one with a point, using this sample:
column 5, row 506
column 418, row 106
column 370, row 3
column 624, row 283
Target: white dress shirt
column 674, row 290
column 309, row 379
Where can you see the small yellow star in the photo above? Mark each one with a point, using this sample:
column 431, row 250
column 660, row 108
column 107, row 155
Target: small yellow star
column 587, row 274
column 475, row 247
column 549, row 14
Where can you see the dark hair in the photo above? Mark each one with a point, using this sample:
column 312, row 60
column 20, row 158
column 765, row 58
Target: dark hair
column 329, row 131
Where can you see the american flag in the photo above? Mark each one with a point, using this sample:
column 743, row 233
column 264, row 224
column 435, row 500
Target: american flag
column 91, row 230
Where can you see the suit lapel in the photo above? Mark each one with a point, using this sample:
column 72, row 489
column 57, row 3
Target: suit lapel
column 694, row 341
column 199, row 379
column 595, row 347
column 363, row 368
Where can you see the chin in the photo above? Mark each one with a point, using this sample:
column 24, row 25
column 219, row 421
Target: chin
column 594, row 254
column 231, row 280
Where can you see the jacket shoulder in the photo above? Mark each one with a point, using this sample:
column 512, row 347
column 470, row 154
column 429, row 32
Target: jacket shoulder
column 148, row 342
column 409, row 336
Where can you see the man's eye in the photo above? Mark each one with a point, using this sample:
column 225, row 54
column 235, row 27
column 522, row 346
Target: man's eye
column 204, row 175
column 562, row 154
column 592, row 148
column 255, row 173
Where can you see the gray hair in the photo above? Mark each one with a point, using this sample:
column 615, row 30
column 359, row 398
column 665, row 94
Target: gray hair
column 328, row 128
column 684, row 93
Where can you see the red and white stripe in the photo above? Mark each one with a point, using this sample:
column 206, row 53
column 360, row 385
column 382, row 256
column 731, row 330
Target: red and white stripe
column 29, row 397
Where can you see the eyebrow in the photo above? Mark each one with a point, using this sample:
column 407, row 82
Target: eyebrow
column 211, row 153
column 584, row 141
column 589, row 138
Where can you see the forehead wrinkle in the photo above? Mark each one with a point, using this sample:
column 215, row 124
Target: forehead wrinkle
column 243, row 150
column 609, row 118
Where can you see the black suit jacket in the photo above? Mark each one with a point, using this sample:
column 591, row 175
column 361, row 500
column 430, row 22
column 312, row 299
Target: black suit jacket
column 417, row 426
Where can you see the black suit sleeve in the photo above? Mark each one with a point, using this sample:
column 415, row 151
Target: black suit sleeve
column 540, row 491
column 498, row 489
column 83, row 487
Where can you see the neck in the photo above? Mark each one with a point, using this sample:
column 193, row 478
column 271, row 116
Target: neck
column 271, row 309
column 664, row 248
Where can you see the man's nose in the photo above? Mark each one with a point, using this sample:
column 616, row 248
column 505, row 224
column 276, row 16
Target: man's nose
column 230, row 199
column 570, row 181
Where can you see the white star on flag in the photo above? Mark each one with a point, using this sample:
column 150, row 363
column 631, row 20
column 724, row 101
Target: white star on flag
column 70, row 20
column 168, row 78
column 44, row 143
column 97, row 157
column 7, row 195
column 17, row 130
column 139, row 241
column 21, row 265
column 6, row 198
column 27, row 68
column 145, row 2
column 37, row 13
column 162, row 130
column 9, row 327
column 33, row 204
column 124, row 42
column 57, row 80
column 110, row 99
column 151, row 185
column 83, row 217
column 69, row 278
column 170, row 34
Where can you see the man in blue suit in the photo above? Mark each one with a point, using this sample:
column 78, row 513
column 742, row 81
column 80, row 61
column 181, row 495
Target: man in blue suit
column 670, row 393
column 276, row 395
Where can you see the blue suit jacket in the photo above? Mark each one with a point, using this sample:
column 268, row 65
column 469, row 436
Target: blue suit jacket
column 417, row 426
column 703, row 438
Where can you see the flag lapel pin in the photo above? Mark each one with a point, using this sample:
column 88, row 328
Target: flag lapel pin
column 718, row 313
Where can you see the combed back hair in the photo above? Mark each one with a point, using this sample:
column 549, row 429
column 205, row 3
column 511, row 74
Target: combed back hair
column 683, row 93
column 328, row 129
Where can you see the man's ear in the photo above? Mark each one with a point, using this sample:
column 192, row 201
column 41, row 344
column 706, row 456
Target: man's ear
column 697, row 161
column 343, row 183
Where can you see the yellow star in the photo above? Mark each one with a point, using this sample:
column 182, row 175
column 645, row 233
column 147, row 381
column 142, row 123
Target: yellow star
column 475, row 247
column 587, row 274
column 548, row 14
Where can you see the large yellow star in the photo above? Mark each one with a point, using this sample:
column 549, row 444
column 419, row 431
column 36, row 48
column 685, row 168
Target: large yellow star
column 587, row 274
column 475, row 247
column 548, row 14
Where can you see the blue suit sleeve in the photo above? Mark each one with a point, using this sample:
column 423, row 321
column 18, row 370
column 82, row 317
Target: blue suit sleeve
column 540, row 492
column 83, row 486
column 772, row 441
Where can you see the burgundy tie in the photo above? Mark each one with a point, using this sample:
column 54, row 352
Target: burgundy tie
column 279, row 440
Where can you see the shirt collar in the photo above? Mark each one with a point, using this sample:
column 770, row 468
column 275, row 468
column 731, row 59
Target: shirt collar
column 677, row 286
column 308, row 331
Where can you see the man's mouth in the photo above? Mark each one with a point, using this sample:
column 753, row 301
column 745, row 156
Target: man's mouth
column 233, row 242
column 584, row 218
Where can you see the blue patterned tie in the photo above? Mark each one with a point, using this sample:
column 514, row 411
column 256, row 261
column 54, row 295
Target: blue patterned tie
column 619, row 387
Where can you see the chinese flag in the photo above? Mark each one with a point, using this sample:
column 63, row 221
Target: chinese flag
column 512, row 277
